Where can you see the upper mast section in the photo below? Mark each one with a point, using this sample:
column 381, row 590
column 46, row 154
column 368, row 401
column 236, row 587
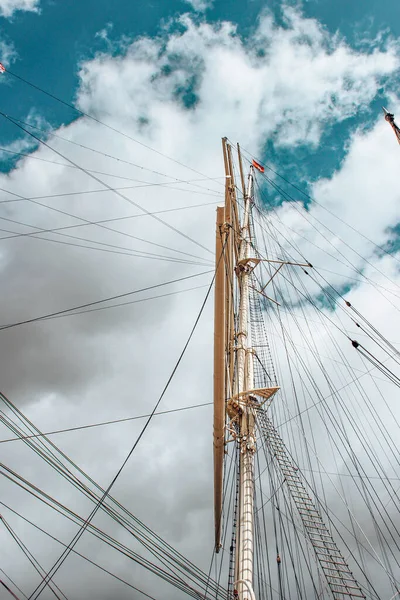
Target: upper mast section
column 389, row 117
column 225, row 257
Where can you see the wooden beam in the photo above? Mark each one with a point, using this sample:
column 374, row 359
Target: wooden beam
column 241, row 170
column 232, row 255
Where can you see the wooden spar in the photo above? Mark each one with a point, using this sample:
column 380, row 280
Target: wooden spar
column 224, row 356
column 219, row 375
column 234, row 216
column 232, row 255
column 241, row 170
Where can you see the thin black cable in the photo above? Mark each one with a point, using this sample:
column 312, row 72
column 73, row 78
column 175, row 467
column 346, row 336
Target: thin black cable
column 35, row 563
column 292, row 204
column 322, row 206
column 87, row 222
column 344, row 434
column 336, row 249
column 338, row 431
column 13, row 582
column 75, row 551
column 67, row 310
column 102, row 221
column 164, row 412
column 120, row 160
column 123, row 252
column 8, row 589
column 89, row 116
column 167, row 184
column 106, row 538
column 35, row 594
column 123, row 196
column 144, row 539
column 91, row 310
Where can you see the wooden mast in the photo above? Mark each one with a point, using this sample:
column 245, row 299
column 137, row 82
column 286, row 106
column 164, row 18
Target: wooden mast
column 236, row 396
column 226, row 251
column 234, row 393
column 219, row 374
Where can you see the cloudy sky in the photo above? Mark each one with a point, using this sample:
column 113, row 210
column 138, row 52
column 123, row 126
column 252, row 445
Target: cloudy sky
column 300, row 86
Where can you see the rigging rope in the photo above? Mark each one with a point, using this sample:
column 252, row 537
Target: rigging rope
column 76, row 552
column 38, row 590
column 163, row 412
column 106, row 185
column 124, row 295
column 96, row 120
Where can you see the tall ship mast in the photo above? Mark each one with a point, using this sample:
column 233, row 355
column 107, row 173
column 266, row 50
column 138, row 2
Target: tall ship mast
column 245, row 389
column 306, row 422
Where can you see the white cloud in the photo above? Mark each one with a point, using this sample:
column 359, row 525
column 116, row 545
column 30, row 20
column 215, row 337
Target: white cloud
column 286, row 85
column 9, row 7
column 200, row 6
column 8, row 53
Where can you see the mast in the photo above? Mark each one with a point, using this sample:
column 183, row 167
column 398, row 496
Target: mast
column 219, row 374
column 242, row 404
column 229, row 345
column 389, row 117
column 236, row 397
column 239, row 402
column 226, row 250
column 245, row 410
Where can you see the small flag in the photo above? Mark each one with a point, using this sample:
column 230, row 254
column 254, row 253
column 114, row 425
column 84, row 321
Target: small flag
column 258, row 166
column 2, row 68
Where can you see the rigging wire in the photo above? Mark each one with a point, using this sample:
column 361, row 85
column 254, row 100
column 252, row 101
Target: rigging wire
column 38, row 590
column 80, row 427
column 292, row 205
column 91, row 310
column 166, row 184
column 109, row 249
column 76, row 552
column 36, row 565
column 159, row 551
column 84, row 224
column 120, row 160
column 149, row 539
column 88, row 222
column 106, row 185
column 391, row 376
column 96, row 302
column 322, row 206
column 101, row 535
column 8, row 589
column 14, row 584
column 342, row 497
column 95, row 119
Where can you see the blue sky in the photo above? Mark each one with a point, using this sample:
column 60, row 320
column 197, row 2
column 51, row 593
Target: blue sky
column 51, row 44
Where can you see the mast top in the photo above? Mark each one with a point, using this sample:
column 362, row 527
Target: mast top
column 389, row 117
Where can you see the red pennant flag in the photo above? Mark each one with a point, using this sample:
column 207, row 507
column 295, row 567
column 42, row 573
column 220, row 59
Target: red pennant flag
column 258, row 166
column 2, row 68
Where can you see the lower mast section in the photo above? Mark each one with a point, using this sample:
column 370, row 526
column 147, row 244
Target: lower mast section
column 242, row 407
column 244, row 576
column 242, row 413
